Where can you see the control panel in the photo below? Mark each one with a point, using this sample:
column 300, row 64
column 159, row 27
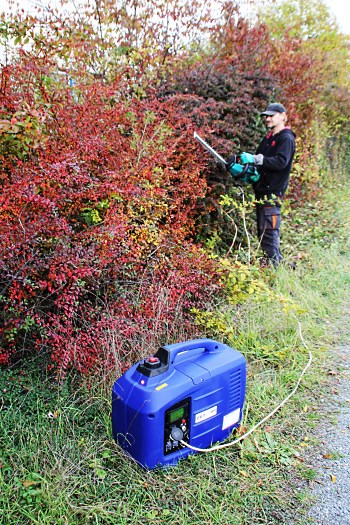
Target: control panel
column 176, row 426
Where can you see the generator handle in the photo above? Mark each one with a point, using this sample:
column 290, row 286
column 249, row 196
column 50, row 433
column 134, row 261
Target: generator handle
column 209, row 345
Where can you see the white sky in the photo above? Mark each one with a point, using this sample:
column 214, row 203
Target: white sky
column 341, row 9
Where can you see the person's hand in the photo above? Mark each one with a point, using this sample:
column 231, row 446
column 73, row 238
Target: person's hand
column 247, row 158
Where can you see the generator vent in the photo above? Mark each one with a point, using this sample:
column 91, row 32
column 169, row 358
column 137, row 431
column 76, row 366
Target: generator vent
column 235, row 389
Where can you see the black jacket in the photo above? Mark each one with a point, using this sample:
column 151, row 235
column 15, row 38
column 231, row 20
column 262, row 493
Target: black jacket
column 278, row 151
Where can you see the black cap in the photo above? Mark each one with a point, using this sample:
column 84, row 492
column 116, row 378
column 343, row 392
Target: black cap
column 274, row 108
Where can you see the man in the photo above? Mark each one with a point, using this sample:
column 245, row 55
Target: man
column 273, row 160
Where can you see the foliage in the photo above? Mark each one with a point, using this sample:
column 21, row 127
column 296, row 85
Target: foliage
column 89, row 221
column 104, row 39
column 106, row 200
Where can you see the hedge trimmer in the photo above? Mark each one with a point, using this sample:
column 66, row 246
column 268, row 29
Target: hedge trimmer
column 244, row 174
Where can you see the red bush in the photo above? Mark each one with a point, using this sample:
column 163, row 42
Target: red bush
column 91, row 224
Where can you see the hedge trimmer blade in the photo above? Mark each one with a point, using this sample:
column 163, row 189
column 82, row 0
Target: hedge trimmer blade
column 210, row 149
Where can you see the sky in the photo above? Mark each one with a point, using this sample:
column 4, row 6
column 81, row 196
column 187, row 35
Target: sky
column 340, row 9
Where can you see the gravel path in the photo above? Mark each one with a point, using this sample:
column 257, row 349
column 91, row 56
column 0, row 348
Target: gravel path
column 331, row 489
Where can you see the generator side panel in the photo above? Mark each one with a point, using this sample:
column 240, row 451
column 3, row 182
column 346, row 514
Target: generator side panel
column 118, row 416
column 217, row 407
column 142, row 420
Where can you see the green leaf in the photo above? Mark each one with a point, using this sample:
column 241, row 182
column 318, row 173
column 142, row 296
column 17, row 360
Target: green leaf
column 100, row 473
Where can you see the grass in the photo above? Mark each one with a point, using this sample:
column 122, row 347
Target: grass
column 59, row 464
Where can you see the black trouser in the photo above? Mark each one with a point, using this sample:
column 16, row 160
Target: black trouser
column 269, row 223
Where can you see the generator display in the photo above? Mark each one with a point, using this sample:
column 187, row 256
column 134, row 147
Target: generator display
column 191, row 392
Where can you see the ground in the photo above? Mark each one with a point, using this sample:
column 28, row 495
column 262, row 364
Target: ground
column 331, row 487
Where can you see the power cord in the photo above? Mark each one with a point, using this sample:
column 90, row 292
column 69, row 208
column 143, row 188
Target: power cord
column 226, row 445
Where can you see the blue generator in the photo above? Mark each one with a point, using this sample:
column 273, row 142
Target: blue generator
column 191, row 392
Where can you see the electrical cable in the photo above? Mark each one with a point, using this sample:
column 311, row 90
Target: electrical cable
column 226, row 445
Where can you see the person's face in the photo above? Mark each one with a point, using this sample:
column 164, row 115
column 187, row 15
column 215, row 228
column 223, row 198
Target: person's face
column 275, row 121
